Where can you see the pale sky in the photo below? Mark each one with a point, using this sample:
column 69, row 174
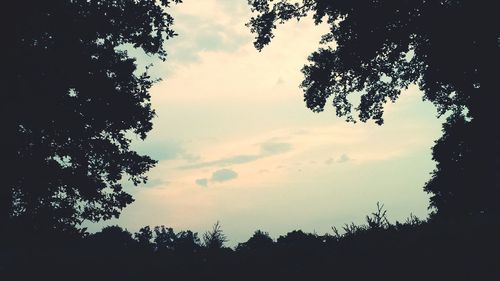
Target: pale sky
column 236, row 143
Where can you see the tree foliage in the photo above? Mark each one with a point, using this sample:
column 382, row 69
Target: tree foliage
column 376, row 49
column 259, row 240
column 72, row 98
column 215, row 238
column 377, row 249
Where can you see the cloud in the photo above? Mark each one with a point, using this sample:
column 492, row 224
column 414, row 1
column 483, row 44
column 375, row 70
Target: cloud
column 238, row 159
column 344, row 158
column 165, row 150
column 273, row 148
column 202, row 182
column 155, row 182
column 223, row 175
column 266, row 149
column 231, row 6
column 197, row 34
column 189, row 157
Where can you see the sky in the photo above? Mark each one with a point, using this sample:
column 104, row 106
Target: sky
column 236, row 143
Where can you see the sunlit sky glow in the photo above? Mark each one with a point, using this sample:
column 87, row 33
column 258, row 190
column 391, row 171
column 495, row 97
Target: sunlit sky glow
column 236, row 143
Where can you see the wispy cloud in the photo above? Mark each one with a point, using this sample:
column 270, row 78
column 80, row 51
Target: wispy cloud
column 156, row 182
column 198, row 34
column 238, row 159
column 266, row 149
column 218, row 176
column 164, row 150
column 273, row 148
column 202, row 182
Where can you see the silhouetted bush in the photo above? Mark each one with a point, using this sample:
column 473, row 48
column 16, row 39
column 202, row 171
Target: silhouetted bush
column 378, row 250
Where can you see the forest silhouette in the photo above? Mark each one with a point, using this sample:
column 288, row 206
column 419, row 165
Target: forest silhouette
column 73, row 96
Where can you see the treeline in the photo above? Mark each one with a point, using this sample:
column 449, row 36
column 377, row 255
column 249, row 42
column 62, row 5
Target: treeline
column 412, row 250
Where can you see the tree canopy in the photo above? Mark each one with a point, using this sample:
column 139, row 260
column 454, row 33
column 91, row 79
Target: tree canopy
column 72, row 99
column 376, row 49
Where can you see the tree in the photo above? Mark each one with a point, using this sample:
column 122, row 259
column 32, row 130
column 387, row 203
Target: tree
column 164, row 238
column 72, row 100
column 187, row 242
column 259, row 240
column 215, row 238
column 144, row 236
column 449, row 48
column 466, row 179
column 112, row 240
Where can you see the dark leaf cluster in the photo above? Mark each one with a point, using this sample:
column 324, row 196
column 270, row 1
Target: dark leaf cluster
column 378, row 250
column 375, row 49
column 72, row 98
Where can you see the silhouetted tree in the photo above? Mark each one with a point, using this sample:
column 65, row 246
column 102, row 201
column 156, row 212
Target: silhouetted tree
column 187, row 242
column 378, row 48
column 72, row 100
column 466, row 179
column 215, row 238
column 144, row 237
column 164, row 238
column 112, row 240
column 259, row 240
column 377, row 250
column 378, row 219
